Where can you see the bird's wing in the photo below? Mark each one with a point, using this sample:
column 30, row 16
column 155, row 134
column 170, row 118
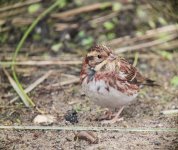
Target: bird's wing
column 129, row 73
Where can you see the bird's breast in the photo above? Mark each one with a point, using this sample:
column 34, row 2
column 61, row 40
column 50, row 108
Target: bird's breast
column 105, row 95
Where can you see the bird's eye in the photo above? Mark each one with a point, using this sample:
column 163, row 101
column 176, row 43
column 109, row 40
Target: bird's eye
column 99, row 56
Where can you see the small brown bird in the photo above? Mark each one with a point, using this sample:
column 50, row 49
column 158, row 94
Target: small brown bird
column 110, row 81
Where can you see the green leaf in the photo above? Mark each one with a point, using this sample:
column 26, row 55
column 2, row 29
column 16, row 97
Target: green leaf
column 78, row 2
column 34, row 8
column 105, row 5
column 56, row 47
column 87, row 41
column 102, row 38
column 77, row 107
column 152, row 23
column 36, row 37
column 3, row 37
column 62, row 3
column 108, row 25
column 174, row 81
column 81, row 34
column 141, row 13
column 162, row 21
column 166, row 55
column 139, row 33
column 111, row 36
column 136, row 59
column 116, row 6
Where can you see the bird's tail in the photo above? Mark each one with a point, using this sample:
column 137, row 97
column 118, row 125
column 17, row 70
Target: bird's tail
column 150, row 82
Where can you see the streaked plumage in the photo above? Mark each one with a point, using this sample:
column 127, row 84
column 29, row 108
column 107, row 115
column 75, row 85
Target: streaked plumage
column 110, row 81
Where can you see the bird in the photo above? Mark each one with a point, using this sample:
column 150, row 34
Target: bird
column 110, row 81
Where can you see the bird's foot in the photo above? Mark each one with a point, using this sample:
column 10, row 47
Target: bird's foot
column 107, row 116
column 112, row 121
column 113, row 118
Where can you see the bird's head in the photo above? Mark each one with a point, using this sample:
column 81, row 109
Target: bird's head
column 99, row 55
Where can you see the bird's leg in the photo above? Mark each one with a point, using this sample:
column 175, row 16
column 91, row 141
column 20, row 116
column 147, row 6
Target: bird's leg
column 107, row 116
column 115, row 119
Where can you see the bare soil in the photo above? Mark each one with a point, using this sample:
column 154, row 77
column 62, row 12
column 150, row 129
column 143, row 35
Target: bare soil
column 144, row 112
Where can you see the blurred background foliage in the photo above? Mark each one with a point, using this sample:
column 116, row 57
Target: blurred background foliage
column 75, row 26
column 102, row 22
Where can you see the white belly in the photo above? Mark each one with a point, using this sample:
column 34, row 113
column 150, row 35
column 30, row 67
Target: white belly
column 112, row 98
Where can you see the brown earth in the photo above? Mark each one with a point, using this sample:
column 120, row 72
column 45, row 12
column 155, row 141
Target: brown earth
column 144, row 112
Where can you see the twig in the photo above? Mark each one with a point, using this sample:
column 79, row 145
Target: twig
column 63, row 26
column 103, row 18
column 68, row 75
column 167, row 46
column 109, row 16
column 31, row 51
column 16, row 12
column 75, row 80
column 148, row 34
column 82, row 9
column 168, row 28
column 67, row 82
column 82, row 128
column 35, row 84
column 4, row 29
column 170, row 112
column 42, row 63
column 146, row 44
column 20, row 4
column 13, row 106
column 20, row 21
column 17, row 89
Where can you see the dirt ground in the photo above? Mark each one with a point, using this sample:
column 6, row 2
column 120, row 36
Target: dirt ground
column 144, row 112
column 49, row 42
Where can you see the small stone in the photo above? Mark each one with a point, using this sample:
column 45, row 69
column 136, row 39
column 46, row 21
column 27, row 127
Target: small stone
column 44, row 119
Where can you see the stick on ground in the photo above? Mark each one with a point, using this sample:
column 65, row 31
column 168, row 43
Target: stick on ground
column 35, row 84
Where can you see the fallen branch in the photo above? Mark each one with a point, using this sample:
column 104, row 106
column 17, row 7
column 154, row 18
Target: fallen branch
column 20, row 21
column 167, row 46
column 75, row 80
column 110, row 16
column 146, row 44
column 170, row 29
column 42, row 63
column 82, row 128
column 4, row 29
column 15, row 12
column 82, row 9
column 63, row 26
column 20, row 4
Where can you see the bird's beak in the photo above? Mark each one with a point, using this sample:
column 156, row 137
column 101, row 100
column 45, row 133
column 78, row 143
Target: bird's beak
column 112, row 57
column 99, row 66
